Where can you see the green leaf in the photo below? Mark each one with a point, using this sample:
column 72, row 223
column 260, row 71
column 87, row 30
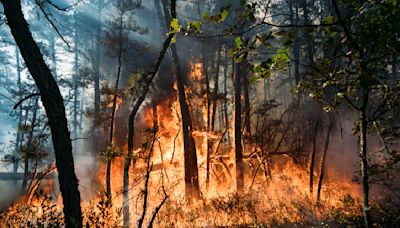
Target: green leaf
column 206, row 16
column 175, row 25
column 173, row 40
column 197, row 25
column 329, row 20
column 224, row 14
column 239, row 42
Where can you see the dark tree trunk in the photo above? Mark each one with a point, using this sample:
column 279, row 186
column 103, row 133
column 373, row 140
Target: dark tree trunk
column 296, row 44
column 30, row 147
column 113, row 111
column 216, row 88
column 246, row 98
column 309, row 40
column 19, row 135
column 192, row 188
column 131, row 122
column 313, row 153
column 191, row 171
column 55, row 110
column 226, row 94
column 364, row 157
column 238, row 130
column 97, row 64
column 323, row 160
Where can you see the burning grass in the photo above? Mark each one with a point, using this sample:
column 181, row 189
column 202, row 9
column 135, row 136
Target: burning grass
column 280, row 201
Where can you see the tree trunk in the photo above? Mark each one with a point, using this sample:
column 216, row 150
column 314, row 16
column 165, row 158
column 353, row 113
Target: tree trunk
column 364, row 157
column 296, row 48
column 323, row 160
column 19, row 135
column 28, row 156
column 131, row 127
column 226, row 95
column 238, row 131
column 191, row 171
column 113, row 113
column 313, row 153
column 309, row 40
column 216, row 88
column 97, row 64
column 55, row 110
column 246, row 98
column 192, row 188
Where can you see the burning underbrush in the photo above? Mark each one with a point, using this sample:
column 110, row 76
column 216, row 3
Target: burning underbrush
column 276, row 170
column 284, row 199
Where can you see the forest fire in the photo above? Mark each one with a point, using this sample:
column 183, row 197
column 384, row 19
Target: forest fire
column 200, row 114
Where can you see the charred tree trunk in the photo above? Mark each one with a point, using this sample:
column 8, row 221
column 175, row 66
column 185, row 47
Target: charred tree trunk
column 113, row 113
column 323, row 160
column 192, row 188
column 363, row 126
column 191, row 171
column 55, row 110
column 131, row 122
column 313, row 153
column 238, row 130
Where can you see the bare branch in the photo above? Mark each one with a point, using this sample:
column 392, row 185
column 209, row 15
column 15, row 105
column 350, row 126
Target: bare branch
column 24, row 99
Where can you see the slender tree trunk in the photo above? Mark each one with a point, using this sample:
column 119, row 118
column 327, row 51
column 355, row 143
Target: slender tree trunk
column 296, row 44
column 55, row 110
column 238, row 131
column 323, row 160
column 216, row 88
column 226, row 94
column 246, row 98
column 97, row 64
column 113, row 113
column 205, row 71
column 364, row 157
column 28, row 154
column 19, row 135
column 131, row 127
column 309, row 40
column 313, row 153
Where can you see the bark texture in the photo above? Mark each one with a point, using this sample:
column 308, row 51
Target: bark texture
column 55, row 110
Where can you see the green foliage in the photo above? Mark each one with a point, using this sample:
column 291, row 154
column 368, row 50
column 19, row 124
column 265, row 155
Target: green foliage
column 175, row 27
column 218, row 18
